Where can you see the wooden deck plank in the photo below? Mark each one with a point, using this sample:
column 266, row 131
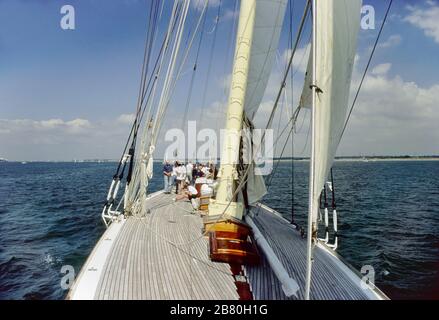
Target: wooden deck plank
column 162, row 255
column 328, row 281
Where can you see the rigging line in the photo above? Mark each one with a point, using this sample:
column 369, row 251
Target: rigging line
column 146, row 59
column 290, row 63
column 191, row 86
column 259, row 76
column 134, row 124
column 142, row 77
column 367, row 68
column 161, row 9
column 269, row 183
column 134, row 188
column 209, row 68
column 172, row 85
column 153, row 34
column 150, row 41
column 221, row 112
column 142, row 83
column 217, row 18
column 290, row 41
column 284, row 105
column 180, row 33
column 176, row 12
column 165, row 46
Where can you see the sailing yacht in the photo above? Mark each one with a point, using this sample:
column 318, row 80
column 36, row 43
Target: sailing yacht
column 157, row 248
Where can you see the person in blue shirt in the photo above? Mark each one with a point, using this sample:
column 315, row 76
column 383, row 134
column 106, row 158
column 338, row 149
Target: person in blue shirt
column 167, row 173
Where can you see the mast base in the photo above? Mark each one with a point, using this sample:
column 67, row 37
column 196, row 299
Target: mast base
column 224, row 247
column 231, row 241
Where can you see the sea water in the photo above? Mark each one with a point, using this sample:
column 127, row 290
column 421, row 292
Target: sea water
column 388, row 215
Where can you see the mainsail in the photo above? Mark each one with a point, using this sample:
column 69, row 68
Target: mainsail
column 338, row 23
column 269, row 17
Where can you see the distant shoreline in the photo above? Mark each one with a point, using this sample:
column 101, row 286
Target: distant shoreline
column 338, row 159
column 371, row 159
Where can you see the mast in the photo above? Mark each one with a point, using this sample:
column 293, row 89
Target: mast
column 311, row 225
column 226, row 203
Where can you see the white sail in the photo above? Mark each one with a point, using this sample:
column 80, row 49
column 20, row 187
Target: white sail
column 267, row 29
column 306, row 97
column 338, row 23
column 269, row 18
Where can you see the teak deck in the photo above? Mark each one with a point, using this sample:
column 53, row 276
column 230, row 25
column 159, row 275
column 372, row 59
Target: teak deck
column 163, row 255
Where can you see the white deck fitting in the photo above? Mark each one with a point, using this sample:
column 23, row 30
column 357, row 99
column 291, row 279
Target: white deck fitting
column 145, row 261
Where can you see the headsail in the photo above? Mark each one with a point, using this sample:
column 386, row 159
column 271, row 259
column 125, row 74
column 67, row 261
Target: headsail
column 338, row 23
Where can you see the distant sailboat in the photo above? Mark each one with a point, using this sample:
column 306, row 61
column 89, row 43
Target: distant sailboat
column 153, row 247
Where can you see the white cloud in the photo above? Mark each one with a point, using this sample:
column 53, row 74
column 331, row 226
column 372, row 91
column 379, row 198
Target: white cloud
column 392, row 41
column 74, row 126
column 300, row 60
column 57, row 139
column 425, row 18
column 126, row 118
column 392, row 116
column 381, row 69
column 199, row 4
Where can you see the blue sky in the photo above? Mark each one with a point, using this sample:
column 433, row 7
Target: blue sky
column 68, row 94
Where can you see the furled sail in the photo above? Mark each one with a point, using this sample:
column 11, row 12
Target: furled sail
column 269, row 18
column 338, row 23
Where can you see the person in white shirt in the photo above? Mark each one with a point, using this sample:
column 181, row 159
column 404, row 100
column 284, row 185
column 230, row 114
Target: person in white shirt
column 181, row 177
column 189, row 168
column 205, row 171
